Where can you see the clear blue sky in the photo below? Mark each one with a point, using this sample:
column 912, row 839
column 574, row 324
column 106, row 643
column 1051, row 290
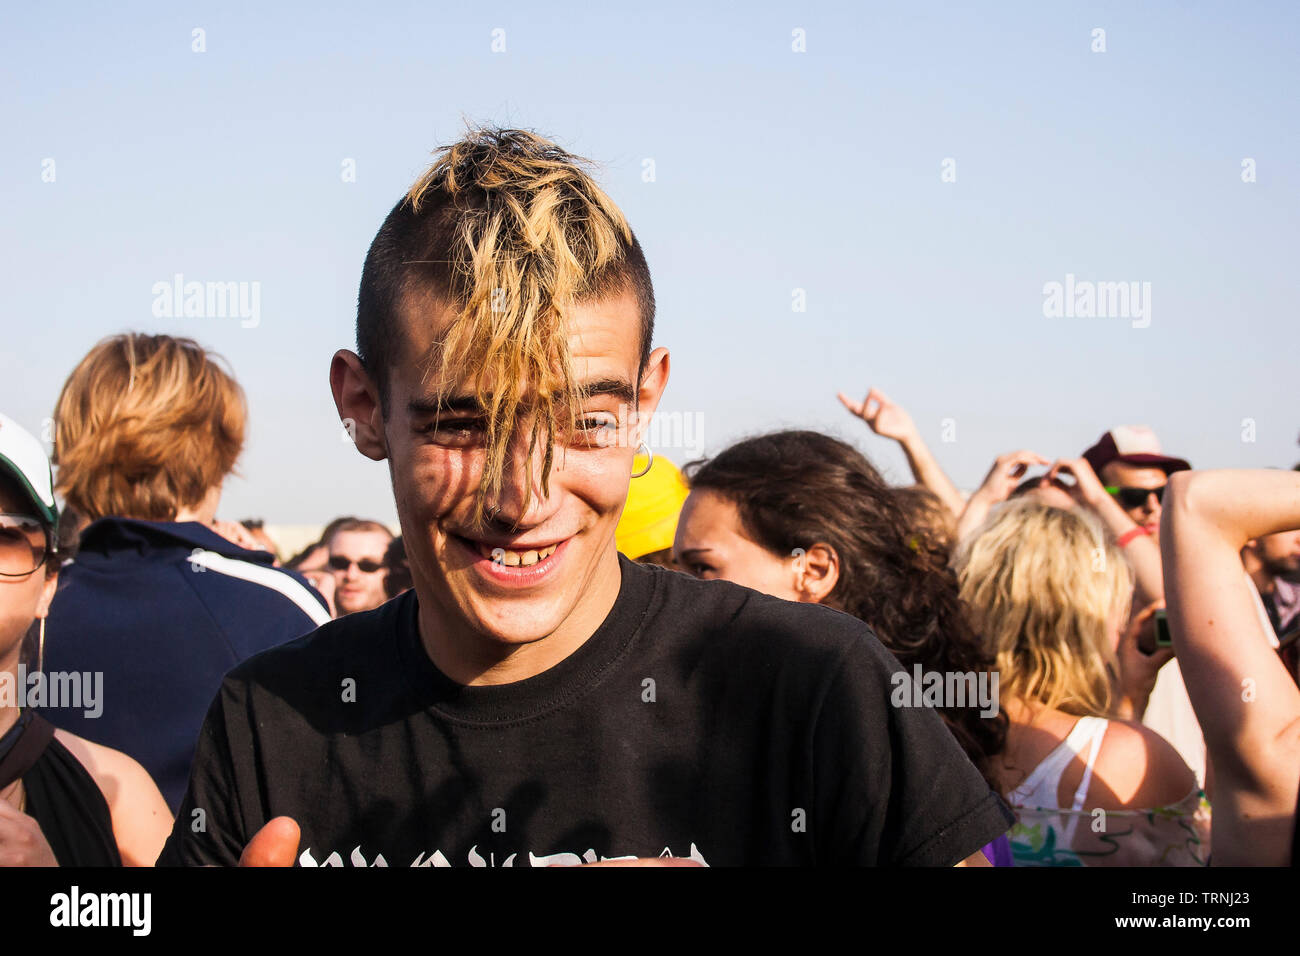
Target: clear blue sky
column 774, row 170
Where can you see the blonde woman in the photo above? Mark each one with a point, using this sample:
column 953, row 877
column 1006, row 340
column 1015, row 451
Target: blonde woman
column 1050, row 592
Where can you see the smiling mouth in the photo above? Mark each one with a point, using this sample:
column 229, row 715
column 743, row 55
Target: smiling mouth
column 509, row 557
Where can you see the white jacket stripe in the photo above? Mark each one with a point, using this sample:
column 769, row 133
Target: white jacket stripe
column 268, row 577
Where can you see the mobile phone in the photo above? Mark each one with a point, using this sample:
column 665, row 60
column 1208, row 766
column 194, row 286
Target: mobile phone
column 1163, row 637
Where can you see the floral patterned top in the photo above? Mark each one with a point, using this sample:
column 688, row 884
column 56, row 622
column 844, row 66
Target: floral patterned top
column 1176, row 835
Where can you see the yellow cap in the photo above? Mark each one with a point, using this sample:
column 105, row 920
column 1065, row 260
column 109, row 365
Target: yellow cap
column 654, row 501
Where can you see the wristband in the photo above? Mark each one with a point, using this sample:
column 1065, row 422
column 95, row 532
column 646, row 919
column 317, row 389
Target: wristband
column 1132, row 533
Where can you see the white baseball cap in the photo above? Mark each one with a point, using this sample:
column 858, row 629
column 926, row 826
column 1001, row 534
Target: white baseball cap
column 22, row 456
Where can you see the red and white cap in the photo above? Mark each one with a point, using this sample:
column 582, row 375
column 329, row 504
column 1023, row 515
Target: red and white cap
column 1132, row 445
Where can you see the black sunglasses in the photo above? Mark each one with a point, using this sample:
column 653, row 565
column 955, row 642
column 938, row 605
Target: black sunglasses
column 366, row 566
column 1130, row 498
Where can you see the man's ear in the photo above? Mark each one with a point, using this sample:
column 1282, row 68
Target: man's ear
column 357, row 399
column 817, row 571
column 654, row 379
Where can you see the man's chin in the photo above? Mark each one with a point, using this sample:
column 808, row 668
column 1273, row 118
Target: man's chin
column 514, row 621
column 512, row 608
column 352, row 606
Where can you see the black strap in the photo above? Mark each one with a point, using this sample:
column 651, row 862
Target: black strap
column 10, row 736
column 27, row 749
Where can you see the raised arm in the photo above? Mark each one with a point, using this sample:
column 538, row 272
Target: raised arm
column 998, row 484
column 1141, row 549
column 1248, row 705
column 891, row 421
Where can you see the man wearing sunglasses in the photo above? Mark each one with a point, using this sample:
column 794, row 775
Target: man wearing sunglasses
column 356, row 558
column 1134, row 470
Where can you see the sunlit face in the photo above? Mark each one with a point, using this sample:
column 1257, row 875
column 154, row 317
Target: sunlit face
column 517, row 578
column 1146, row 514
column 711, row 543
column 357, row 560
column 22, row 599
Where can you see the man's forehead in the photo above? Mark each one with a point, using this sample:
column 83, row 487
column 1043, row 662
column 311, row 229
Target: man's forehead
column 604, row 341
column 356, row 538
column 1133, row 472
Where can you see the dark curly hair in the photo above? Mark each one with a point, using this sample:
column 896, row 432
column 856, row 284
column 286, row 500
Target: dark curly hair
column 794, row 489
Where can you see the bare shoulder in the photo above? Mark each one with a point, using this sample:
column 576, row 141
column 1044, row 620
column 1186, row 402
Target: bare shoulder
column 141, row 817
column 114, row 772
column 1139, row 768
column 1031, row 737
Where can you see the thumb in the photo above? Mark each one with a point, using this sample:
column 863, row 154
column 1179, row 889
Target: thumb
column 1147, row 612
column 276, row 844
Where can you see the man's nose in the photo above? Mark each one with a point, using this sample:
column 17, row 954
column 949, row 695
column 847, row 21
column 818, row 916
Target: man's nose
column 522, row 501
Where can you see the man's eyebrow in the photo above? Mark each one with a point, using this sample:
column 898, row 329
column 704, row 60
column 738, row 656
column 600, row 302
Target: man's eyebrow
column 617, row 387
column 456, row 403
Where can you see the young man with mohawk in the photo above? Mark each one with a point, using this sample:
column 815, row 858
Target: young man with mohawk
column 536, row 698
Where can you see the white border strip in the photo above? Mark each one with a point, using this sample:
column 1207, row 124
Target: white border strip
column 272, row 578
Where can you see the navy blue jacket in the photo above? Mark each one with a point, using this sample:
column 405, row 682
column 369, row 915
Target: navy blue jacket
column 164, row 610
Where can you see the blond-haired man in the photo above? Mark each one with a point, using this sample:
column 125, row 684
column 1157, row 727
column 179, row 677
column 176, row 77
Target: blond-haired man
column 535, row 698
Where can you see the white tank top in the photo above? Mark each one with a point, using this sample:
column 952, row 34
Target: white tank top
column 1039, row 790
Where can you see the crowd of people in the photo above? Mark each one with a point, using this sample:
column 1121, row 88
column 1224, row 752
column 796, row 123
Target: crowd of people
column 577, row 652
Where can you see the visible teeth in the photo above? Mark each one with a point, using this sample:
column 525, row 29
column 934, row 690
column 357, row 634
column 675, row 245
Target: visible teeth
column 516, row 559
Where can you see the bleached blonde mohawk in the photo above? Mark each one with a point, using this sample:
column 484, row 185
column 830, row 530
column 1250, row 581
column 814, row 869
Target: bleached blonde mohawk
column 528, row 234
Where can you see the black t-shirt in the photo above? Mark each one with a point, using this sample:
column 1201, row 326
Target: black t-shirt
column 701, row 719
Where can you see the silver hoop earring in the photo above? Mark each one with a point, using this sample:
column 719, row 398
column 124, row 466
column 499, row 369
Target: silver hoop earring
column 649, row 460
